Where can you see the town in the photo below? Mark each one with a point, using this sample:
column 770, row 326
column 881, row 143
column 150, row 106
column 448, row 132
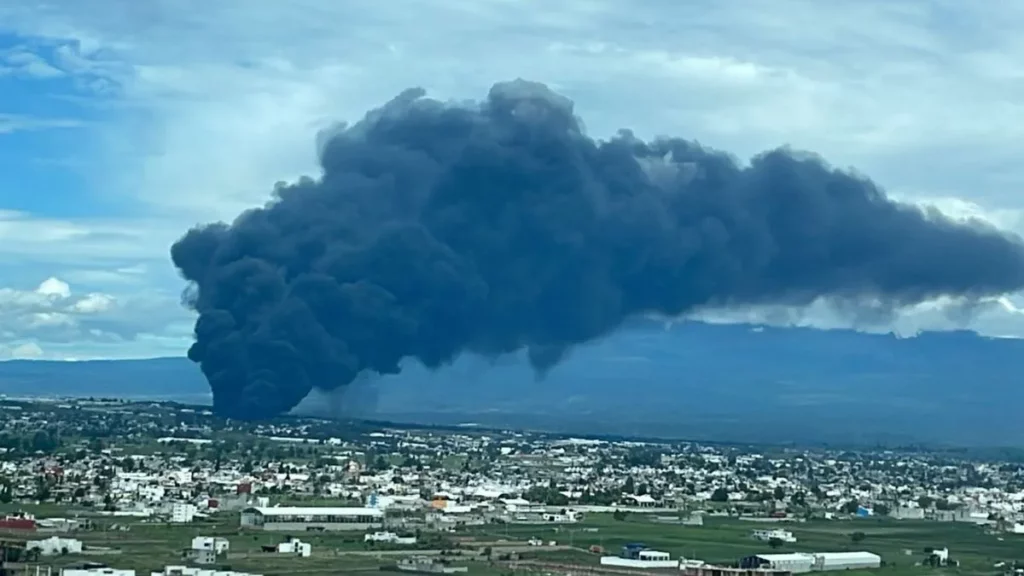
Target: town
column 93, row 486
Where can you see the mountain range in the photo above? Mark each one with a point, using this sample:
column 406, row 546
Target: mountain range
column 726, row 382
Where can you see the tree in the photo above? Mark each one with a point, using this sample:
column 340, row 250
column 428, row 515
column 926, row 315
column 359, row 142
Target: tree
column 643, row 457
column 775, row 543
column 549, row 495
column 6, row 493
column 720, row 495
column 925, row 502
column 96, row 446
column 44, row 441
column 42, row 493
column 780, row 493
column 857, row 537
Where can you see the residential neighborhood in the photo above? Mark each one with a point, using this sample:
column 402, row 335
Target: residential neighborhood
column 73, row 468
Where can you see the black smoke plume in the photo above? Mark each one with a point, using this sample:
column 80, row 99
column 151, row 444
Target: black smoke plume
column 438, row 229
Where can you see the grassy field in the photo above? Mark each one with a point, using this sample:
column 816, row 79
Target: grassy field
column 149, row 546
column 901, row 544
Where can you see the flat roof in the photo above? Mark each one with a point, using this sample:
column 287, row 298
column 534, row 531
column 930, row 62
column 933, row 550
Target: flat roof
column 862, row 555
column 787, row 557
column 315, row 511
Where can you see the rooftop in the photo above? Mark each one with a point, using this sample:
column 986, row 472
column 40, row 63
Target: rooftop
column 315, row 511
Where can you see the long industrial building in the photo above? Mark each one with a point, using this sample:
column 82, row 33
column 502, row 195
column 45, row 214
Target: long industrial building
column 291, row 519
column 799, row 562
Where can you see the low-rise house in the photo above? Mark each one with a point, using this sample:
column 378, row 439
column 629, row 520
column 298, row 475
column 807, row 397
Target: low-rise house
column 55, row 546
column 217, row 544
column 776, row 534
column 296, row 547
column 389, row 538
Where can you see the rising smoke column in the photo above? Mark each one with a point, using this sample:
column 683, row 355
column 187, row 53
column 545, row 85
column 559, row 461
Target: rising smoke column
column 438, row 229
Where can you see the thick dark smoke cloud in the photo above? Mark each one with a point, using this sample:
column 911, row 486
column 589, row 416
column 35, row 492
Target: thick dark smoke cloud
column 438, row 229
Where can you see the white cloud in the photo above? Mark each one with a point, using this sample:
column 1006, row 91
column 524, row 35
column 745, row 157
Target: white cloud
column 27, row 351
column 998, row 317
column 46, row 320
column 211, row 103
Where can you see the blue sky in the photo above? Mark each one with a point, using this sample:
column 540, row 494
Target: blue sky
column 123, row 123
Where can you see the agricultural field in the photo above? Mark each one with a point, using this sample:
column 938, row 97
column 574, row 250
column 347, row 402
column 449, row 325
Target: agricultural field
column 144, row 547
column 901, row 544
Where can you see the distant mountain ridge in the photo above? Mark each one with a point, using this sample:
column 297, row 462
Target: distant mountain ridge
column 693, row 380
column 157, row 378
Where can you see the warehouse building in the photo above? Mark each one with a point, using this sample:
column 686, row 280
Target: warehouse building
column 795, row 562
column 826, row 561
column 289, row 519
column 798, row 562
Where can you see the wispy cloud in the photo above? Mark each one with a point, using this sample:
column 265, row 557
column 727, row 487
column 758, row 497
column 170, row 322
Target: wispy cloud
column 106, row 241
column 27, row 63
column 10, row 123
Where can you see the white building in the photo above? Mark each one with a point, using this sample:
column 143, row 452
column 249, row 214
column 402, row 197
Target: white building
column 182, row 513
column 799, row 562
column 150, row 493
column 563, row 516
column 829, row 561
column 642, row 500
column 194, row 571
column 776, row 534
column 295, row 546
column 644, row 559
column 384, row 502
column 96, row 572
column 940, row 556
column 217, row 544
column 523, row 506
column 389, row 538
column 795, row 562
column 55, row 545
column 294, row 519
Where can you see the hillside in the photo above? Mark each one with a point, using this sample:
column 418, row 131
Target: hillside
column 727, row 382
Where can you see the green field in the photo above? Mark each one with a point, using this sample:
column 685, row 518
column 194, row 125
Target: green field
column 149, row 546
column 146, row 547
column 901, row 544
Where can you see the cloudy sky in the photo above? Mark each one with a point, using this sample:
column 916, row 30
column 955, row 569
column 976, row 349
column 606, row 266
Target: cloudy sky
column 122, row 123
